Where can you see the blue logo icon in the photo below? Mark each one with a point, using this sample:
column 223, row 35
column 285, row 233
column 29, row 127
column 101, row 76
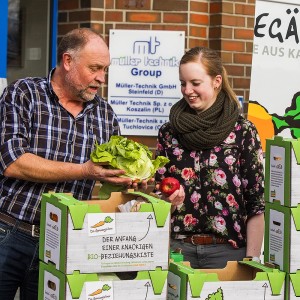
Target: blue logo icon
column 146, row 47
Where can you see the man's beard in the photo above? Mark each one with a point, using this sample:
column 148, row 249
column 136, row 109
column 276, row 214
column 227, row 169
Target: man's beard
column 83, row 93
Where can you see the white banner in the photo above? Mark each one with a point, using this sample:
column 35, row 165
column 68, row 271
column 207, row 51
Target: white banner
column 275, row 79
column 143, row 80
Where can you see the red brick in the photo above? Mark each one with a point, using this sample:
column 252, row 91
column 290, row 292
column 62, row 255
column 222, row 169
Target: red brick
column 196, row 31
column 109, row 4
column 199, row 19
column 233, row 46
column 227, row 57
column 242, row 58
column 91, row 4
column 235, row 70
column 133, row 4
column 197, row 43
column 113, row 16
column 250, row 22
column 235, row 21
column 241, row 82
column 215, row 32
column 108, row 27
column 97, row 15
column 216, row 20
column 80, row 16
column 215, row 44
column 244, row 9
column 198, row 7
column 68, row 4
column 62, row 17
column 248, row 71
column 215, row 8
column 143, row 17
column 175, row 18
column 227, row 33
column 243, row 34
column 228, row 7
column 170, row 5
column 249, row 47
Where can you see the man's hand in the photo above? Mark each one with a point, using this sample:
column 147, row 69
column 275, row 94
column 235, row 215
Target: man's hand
column 96, row 171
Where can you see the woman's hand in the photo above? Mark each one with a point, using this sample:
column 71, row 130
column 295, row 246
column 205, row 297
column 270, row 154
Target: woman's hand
column 141, row 185
column 177, row 198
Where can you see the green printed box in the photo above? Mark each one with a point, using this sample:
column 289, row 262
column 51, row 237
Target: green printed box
column 54, row 285
column 94, row 237
column 245, row 280
column 282, row 236
column 282, row 171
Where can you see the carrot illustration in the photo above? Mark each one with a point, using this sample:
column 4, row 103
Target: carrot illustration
column 101, row 223
column 105, row 287
column 97, row 292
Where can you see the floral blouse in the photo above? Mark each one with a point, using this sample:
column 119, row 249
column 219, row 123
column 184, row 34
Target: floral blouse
column 223, row 185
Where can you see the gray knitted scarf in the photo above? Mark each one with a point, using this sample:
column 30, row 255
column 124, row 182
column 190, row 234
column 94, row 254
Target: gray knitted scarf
column 197, row 131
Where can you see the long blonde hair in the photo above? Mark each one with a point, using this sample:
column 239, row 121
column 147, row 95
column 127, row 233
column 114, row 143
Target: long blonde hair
column 213, row 65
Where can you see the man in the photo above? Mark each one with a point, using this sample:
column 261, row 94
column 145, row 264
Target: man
column 48, row 129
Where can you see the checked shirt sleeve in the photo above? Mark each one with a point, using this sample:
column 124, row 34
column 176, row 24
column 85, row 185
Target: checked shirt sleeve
column 15, row 110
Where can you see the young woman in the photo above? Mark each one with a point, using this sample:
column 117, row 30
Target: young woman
column 216, row 154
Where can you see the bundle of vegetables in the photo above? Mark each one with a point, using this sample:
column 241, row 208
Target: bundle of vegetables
column 125, row 154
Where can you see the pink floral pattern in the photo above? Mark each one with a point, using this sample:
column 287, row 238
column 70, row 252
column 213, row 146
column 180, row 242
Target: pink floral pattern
column 223, row 185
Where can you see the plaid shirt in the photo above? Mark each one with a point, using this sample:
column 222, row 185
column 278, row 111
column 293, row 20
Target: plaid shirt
column 33, row 121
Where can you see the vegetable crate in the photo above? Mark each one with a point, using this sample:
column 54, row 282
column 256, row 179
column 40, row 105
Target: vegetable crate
column 282, row 171
column 245, row 280
column 53, row 284
column 94, row 237
column 282, row 236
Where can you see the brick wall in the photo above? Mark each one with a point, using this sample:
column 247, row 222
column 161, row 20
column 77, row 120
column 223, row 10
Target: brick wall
column 223, row 25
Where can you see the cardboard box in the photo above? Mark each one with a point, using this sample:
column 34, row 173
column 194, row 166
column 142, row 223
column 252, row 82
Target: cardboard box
column 54, row 285
column 282, row 171
column 293, row 286
column 245, row 280
column 282, row 236
column 93, row 237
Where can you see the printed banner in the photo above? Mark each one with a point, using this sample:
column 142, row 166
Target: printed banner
column 275, row 82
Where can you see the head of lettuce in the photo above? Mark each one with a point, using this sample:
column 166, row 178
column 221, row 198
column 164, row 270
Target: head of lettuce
column 125, row 154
